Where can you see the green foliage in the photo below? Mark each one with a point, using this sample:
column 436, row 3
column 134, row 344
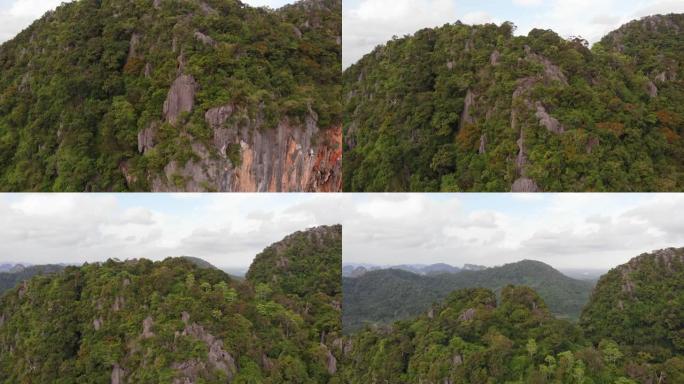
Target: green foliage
column 169, row 321
column 406, row 127
column 470, row 339
column 388, row 295
column 79, row 84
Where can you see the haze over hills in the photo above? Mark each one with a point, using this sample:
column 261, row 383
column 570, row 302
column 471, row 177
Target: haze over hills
column 173, row 95
column 383, row 296
column 475, row 108
column 629, row 333
column 356, row 270
column 180, row 321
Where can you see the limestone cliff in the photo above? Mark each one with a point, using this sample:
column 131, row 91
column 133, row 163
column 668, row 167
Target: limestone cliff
column 245, row 156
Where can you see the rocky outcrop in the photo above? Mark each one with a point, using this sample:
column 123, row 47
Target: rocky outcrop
column 118, row 304
column 466, row 116
column 188, row 371
column 331, row 362
column 548, row 121
column 522, row 103
column 118, row 374
column 483, row 145
column 494, row 58
column 524, row 184
column 146, row 138
column 205, row 39
column 147, row 328
column 181, row 98
column 291, row 157
column 651, row 89
column 217, row 357
column 467, row 315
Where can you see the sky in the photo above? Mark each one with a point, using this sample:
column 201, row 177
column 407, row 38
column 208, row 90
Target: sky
column 15, row 15
column 228, row 230
column 368, row 23
column 591, row 231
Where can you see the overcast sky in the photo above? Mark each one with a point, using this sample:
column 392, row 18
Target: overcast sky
column 227, row 230
column 15, row 15
column 593, row 231
column 368, row 23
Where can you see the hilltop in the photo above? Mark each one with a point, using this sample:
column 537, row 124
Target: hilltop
column 173, row 95
column 176, row 321
column 476, row 108
column 384, row 296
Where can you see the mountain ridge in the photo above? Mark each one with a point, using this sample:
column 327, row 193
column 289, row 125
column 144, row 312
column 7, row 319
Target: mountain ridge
column 175, row 321
column 475, row 108
column 385, row 295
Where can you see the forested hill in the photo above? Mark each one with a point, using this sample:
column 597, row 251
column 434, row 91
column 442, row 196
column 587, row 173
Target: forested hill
column 197, row 95
column 647, row 292
column 630, row 333
column 9, row 280
column 174, row 321
column 475, row 108
column 388, row 295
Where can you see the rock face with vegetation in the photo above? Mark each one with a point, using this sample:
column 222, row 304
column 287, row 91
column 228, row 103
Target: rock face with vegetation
column 475, row 108
column 384, row 296
column 180, row 320
column 646, row 291
column 629, row 333
column 173, row 95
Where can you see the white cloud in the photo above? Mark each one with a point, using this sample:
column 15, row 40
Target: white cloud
column 477, row 18
column 528, row 3
column 564, row 230
column 374, row 22
column 227, row 230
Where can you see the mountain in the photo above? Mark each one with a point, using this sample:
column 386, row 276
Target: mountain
column 387, row 295
column 629, row 333
column 648, row 291
column 475, row 108
column 467, row 339
column 353, row 270
column 14, row 276
column 173, row 95
column 200, row 263
column 175, row 322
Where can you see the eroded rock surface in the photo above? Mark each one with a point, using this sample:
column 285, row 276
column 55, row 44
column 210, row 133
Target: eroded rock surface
column 250, row 158
column 181, row 98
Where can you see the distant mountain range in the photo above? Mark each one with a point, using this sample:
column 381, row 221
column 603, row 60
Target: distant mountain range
column 356, row 270
column 630, row 332
column 386, row 295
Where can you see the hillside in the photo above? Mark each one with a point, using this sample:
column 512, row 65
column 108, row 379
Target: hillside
column 475, row 108
column 173, row 95
column 10, row 279
column 648, row 291
column 629, row 333
column 174, row 322
column 388, row 295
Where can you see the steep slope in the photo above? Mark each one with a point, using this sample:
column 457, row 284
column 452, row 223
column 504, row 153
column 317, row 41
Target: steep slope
column 641, row 304
column 173, row 95
column 170, row 322
column 9, row 280
column 474, row 108
column 388, row 295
